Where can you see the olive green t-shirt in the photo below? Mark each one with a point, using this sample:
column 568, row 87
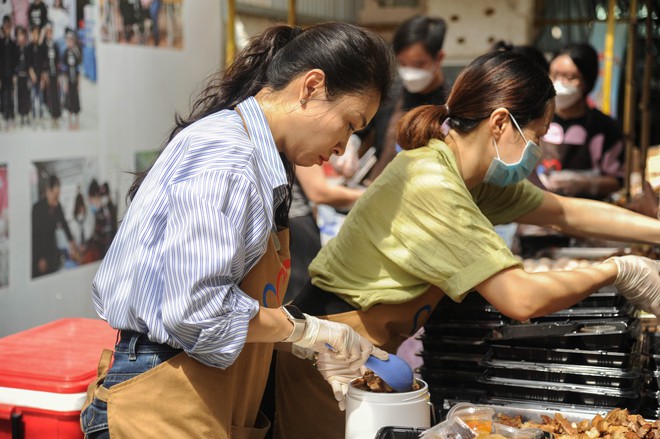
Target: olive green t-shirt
column 417, row 225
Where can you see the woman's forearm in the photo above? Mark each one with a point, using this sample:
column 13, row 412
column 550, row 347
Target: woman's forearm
column 606, row 221
column 593, row 219
column 269, row 325
column 521, row 295
column 320, row 191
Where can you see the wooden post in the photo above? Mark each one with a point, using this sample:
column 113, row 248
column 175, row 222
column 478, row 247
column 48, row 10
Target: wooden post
column 231, row 37
column 291, row 18
column 629, row 109
column 608, row 61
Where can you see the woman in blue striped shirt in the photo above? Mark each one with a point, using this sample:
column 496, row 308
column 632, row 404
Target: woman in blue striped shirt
column 195, row 275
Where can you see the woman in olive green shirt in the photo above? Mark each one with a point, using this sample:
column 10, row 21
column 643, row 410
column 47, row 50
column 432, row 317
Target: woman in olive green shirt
column 424, row 229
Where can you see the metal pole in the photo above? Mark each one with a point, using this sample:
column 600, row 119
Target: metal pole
column 291, row 18
column 608, row 59
column 629, row 96
column 231, row 37
column 645, row 104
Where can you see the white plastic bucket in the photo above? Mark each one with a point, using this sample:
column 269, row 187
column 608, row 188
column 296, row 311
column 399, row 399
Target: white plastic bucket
column 367, row 412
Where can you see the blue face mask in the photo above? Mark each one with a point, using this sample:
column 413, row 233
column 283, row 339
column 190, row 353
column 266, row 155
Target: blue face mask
column 503, row 174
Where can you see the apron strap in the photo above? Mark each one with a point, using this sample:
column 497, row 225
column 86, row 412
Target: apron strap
column 93, row 390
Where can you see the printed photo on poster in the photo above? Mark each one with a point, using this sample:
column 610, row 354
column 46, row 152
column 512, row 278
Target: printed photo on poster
column 48, row 65
column 74, row 215
column 4, row 227
column 155, row 23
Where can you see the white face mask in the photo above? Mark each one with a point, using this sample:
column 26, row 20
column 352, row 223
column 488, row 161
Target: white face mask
column 414, row 79
column 567, row 95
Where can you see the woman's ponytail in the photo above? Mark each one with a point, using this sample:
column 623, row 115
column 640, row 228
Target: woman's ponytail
column 420, row 125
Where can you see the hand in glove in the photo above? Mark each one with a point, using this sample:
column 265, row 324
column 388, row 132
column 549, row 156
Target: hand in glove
column 338, row 339
column 303, row 353
column 638, row 281
column 340, row 373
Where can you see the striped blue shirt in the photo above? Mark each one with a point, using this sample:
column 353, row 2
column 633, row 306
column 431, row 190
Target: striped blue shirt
column 200, row 221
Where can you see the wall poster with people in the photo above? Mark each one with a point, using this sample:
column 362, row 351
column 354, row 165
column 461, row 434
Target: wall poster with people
column 156, row 23
column 74, row 215
column 48, row 66
column 4, row 227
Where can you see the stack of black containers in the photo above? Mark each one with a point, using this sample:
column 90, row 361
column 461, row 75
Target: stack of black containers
column 584, row 358
column 651, row 374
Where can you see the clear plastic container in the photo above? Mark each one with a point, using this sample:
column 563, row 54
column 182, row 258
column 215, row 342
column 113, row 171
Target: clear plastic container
column 478, row 418
column 467, row 421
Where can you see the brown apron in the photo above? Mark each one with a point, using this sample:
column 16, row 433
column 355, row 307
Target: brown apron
column 184, row 398
column 305, row 404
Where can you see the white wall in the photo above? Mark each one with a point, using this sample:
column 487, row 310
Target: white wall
column 139, row 89
column 474, row 25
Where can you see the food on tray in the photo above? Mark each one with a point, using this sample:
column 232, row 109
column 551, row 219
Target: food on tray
column 370, row 382
column 617, row 424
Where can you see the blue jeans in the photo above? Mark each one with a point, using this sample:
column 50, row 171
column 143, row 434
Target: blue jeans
column 134, row 354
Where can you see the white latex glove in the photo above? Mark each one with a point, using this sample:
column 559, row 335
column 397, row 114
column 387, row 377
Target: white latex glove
column 338, row 339
column 304, row 353
column 638, row 281
column 340, row 373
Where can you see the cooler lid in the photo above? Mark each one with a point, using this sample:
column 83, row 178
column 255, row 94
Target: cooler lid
column 58, row 357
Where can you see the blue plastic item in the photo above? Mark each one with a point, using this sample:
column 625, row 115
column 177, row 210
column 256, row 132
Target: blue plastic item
column 395, row 372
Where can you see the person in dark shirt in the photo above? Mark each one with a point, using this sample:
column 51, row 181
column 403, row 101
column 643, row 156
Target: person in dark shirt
column 8, row 64
column 38, row 14
column 52, row 72
column 583, row 148
column 36, row 56
column 417, row 44
column 71, row 61
column 23, row 77
column 47, row 217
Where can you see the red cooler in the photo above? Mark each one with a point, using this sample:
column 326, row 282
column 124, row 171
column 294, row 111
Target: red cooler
column 44, row 373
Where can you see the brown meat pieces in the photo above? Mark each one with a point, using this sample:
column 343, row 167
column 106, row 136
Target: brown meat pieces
column 370, row 382
column 617, row 424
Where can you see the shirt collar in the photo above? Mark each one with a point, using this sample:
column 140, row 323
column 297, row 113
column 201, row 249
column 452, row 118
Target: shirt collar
column 259, row 132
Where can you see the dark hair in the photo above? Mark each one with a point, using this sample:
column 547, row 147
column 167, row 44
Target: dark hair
column 496, row 79
column 353, row 59
column 430, row 31
column 530, row 51
column 53, row 181
column 79, row 204
column 585, row 58
column 20, row 30
column 94, row 189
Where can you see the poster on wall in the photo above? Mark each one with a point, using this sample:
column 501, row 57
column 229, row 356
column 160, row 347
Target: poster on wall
column 48, row 65
column 74, row 215
column 155, row 23
column 4, row 227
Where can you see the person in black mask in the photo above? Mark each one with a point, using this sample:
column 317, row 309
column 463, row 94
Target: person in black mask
column 417, row 44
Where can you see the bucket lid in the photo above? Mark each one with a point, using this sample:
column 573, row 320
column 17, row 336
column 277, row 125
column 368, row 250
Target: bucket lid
column 58, row 357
